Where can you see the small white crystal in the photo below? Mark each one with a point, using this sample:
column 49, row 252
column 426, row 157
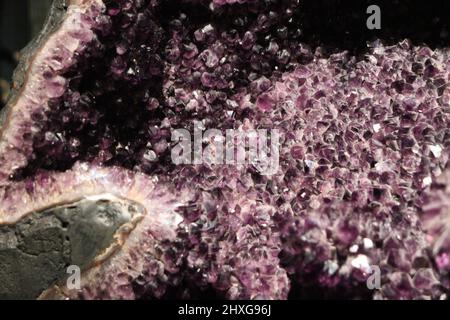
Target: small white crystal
column 361, row 262
column 310, row 163
column 368, row 243
column 354, row 248
column 330, row 267
column 426, row 181
column 208, row 28
column 436, row 150
column 376, row 127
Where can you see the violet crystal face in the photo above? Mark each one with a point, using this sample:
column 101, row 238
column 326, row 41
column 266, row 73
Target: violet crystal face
column 357, row 205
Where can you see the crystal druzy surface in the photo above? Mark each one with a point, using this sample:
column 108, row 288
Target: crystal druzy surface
column 86, row 136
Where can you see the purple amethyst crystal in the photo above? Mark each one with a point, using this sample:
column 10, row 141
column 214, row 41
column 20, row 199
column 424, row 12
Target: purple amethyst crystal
column 363, row 179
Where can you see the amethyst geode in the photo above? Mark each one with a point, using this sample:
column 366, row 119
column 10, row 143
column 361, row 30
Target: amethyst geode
column 86, row 175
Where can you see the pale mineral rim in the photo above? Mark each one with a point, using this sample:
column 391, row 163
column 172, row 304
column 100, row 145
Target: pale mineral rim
column 43, row 81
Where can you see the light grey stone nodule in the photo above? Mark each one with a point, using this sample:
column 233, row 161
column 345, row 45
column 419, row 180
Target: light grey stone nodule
column 37, row 251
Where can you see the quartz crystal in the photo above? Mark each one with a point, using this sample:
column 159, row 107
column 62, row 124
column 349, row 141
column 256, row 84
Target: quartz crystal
column 363, row 179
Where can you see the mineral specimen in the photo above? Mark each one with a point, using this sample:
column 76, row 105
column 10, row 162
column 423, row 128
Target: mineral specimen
column 86, row 175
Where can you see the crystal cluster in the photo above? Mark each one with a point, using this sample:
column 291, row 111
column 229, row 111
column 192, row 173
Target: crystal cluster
column 364, row 153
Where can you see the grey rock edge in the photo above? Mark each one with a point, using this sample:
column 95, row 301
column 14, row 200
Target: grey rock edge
column 55, row 16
